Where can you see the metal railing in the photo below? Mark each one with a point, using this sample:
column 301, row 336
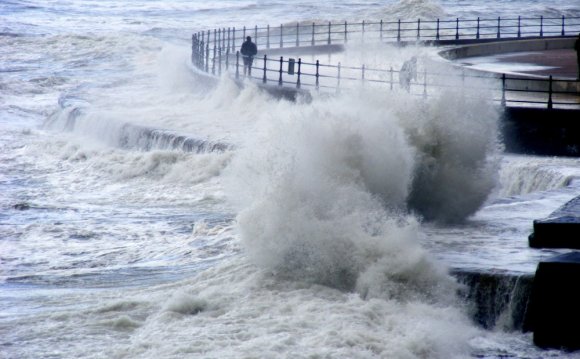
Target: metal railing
column 222, row 56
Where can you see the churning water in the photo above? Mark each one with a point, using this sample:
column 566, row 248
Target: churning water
column 145, row 213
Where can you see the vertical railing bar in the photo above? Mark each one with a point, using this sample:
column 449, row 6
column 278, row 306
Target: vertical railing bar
column 519, row 26
column 391, row 79
column 312, row 42
column 425, row 83
column 457, row 29
column 498, row 27
column 381, row 31
column 541, row 26
column 237, row 65
column 437, row 33
column 281, row 65
column 219, row 62
column 399, row 31
column 256, row 35
column 503, row 90
column 477, row 34
column 233, row 39
column 227, row 59
column 264, row 78
column 268, row 36
column 418, row 29
column 298, row 84
column 329, row 40
column 281, row 36
column 550, row 103
column 345, row 32
column 224, row 38
column 563, row 26
column 338, row 77
column 207, row 56
column 213, row 60
column 363, row 30
column 297, row 34
column 317, row 74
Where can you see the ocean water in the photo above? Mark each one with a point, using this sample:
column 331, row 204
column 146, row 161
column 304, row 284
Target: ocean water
column 314, row 229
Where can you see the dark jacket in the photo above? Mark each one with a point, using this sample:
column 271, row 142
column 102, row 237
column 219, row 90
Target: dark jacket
column 249, row 49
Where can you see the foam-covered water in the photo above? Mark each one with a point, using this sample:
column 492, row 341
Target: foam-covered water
column 145, row 213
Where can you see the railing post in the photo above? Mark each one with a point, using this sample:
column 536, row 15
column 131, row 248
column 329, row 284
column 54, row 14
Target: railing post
column 317, row 74
column 498, row 26
column 237, row 65
column 281, row 36
column 213, row 60
column 219, row 38
column 312, row 42
column 224, row 38
column 363, row 74
column 329, row 40
column 519, row 26
column 399, row 31
column 437, row 33
column 281, row 65
column 264, row 78
column 207, row 57
column 338, row 77
column 201, row 57
column 345, row 32
column 233, row 39
column 563, row 26
column 541, row 26
column 550, row 104
column 268, row 36
column 297, row 34
column 477, row 34
column 424, row 83
column 227, row 59
column 256, row 35
column 457, row 29
column 219, row 62
column 229, row 38
column 418, row 29
column 503, row 89
column 363, row 31
column 391, row 79
column 381, row 31
column 244, row 35
column 299, row 73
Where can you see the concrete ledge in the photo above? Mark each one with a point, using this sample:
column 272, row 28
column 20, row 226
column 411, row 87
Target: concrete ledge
column 554, row 311
column 560, row 230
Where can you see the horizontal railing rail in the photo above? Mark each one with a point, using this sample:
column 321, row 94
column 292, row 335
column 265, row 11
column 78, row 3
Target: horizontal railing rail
column 216, row 52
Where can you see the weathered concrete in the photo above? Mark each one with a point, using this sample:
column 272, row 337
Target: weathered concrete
column 541, row 131
column 560, row 230
column 553, row 312
column 496, row 299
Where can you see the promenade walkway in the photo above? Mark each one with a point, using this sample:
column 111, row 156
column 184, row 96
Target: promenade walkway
column 559, row 63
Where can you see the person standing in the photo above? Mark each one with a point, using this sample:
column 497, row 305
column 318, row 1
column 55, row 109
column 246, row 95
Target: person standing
column 408, row 72
column 248, row 50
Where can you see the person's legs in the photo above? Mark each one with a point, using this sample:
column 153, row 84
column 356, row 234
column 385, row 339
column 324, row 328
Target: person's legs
column 250, row 61
column 245, row 65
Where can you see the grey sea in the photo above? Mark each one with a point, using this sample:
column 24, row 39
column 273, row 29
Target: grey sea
column 320, row 229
